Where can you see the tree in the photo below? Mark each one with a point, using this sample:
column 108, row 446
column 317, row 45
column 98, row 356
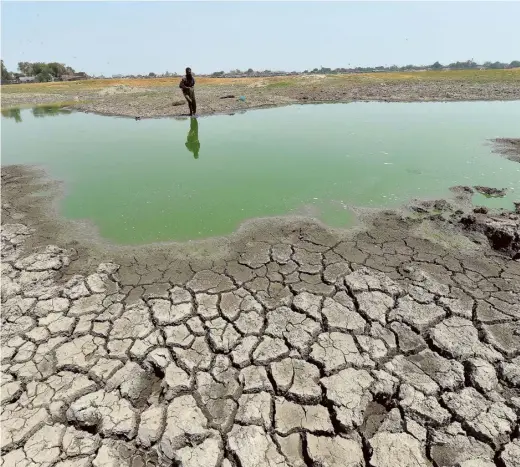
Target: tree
column 151, row 75
column 44, row 76
column 57, row 69
column 250, row 71
column 6, row 75
column 25, row 68
column 44, row 71
column 437, row 66
column 497, row 65
column 40, row 67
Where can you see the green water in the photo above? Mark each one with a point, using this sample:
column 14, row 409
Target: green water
column 163, row 179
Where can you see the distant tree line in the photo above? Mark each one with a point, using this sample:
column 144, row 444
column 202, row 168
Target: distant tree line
column 467, row 65
column 41, row 71
column 44, row 72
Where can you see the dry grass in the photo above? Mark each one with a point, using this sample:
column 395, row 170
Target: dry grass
column 281, row 84
column 476, row 76
column 61, row 87
column 469, row 76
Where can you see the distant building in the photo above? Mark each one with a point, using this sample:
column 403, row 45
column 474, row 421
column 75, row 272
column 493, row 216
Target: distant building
column 26, row 79
column 74, row 76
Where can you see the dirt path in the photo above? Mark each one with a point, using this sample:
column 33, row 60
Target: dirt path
column 162, row 98
column 286, row 344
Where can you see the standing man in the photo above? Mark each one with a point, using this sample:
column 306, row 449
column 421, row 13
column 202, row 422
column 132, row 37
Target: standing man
column 187, row 85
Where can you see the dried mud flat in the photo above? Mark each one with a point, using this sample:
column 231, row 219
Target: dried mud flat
column 148, row 101
column 288, row 345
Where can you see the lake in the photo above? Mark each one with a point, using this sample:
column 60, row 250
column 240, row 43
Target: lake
column 166, row 179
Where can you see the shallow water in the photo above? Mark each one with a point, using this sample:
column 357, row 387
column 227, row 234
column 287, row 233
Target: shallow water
column 164, row 179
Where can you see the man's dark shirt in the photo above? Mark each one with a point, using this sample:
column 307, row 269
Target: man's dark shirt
column 187, row 81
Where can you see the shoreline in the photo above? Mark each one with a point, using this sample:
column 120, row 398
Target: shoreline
column 44, row 194
column 241, row 110
column 146, row 99
column 40, row 197
column 402, row 320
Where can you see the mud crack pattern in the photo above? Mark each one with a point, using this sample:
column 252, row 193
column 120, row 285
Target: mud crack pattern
column 372, row 352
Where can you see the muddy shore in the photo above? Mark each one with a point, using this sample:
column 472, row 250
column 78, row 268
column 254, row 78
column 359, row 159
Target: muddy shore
column 287, row 343
column 149, row 101
column 507, row 147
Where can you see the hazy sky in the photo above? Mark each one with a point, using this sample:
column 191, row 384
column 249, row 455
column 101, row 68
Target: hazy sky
column 140, row 37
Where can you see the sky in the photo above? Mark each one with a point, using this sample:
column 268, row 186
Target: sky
column 142, row 37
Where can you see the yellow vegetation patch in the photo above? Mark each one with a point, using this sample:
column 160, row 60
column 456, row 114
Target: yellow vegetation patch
column 444, row 75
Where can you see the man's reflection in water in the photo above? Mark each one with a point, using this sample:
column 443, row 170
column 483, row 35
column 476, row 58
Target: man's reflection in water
column 192, row 141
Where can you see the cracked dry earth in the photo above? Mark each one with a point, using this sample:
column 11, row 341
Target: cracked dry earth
column 379, row 351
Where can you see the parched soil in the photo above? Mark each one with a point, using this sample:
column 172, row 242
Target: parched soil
column 287, row 343
column 162, row 97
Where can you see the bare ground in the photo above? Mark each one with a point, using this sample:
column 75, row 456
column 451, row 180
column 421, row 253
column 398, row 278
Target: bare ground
column 162, row 98
column 287, row 343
